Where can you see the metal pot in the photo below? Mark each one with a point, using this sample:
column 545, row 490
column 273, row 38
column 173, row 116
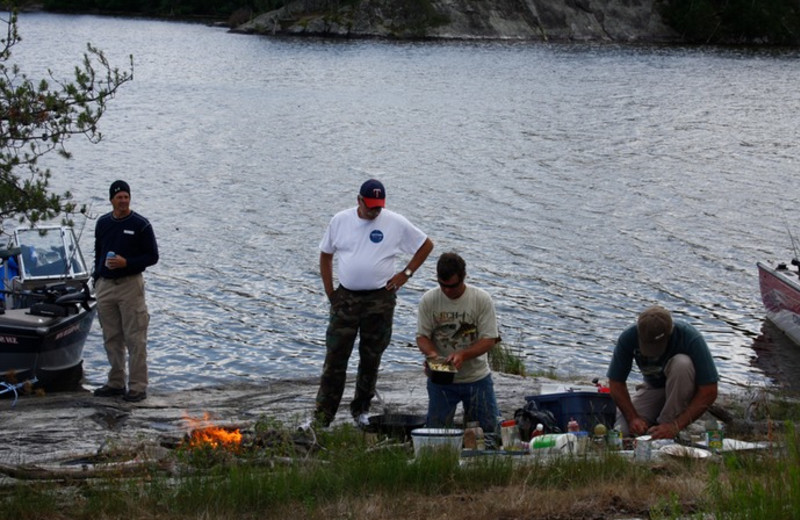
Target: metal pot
column 396, row 425
column 442, row 377
column 440, row 372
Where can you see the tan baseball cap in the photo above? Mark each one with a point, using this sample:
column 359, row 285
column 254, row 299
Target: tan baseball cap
column 654, row 327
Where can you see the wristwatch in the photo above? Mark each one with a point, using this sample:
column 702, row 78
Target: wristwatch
column 408, row 272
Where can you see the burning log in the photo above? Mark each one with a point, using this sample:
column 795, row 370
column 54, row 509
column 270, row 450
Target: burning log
column 215, row 437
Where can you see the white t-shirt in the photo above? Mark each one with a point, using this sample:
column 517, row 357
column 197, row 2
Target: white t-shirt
column 365, row 250
column 454, row 325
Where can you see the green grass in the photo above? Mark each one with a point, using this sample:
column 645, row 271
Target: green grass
column 269, row 481
column 506, row 359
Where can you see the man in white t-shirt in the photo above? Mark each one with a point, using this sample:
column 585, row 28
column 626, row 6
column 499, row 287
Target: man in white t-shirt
column 456, row 323
column 366, row 241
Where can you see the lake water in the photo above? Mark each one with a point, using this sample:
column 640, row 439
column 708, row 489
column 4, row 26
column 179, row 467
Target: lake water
column 580, row 182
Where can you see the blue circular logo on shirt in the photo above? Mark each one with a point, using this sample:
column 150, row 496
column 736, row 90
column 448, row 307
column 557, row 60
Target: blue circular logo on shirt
column 376, row 236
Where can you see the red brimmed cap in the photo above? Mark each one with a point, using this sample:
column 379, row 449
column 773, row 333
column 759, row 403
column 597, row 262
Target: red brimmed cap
column 373, row 193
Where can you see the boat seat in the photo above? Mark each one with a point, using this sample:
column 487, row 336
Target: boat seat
column 21, row 317
column 51, row 309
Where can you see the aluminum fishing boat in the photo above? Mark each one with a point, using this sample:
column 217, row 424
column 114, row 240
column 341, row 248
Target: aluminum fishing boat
column 780, row 292
column 48, row 308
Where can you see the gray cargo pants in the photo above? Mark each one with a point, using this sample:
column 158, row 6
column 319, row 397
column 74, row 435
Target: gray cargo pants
column 123, row 316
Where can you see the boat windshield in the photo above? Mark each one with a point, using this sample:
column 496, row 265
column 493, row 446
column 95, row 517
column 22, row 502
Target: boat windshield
column 49, row 253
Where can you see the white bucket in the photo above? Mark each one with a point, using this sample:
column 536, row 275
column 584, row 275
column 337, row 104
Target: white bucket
column 436, row 438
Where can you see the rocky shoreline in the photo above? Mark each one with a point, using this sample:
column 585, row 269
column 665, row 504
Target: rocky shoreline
column 620, row 21
column 60, row 430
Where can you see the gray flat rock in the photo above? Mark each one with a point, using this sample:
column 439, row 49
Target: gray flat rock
column 69, row 426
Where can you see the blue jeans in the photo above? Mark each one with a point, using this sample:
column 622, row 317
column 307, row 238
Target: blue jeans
column 479, row 404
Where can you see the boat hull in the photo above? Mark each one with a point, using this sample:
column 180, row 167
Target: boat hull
column 780, row 293
column 48, row 348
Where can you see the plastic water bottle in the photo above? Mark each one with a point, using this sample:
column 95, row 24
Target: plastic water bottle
column 110, row 254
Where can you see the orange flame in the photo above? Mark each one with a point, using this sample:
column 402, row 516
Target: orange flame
column 216, row 437
column 203, row 434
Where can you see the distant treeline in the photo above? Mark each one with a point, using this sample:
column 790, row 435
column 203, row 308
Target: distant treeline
column 166, row 8
column 771, row 22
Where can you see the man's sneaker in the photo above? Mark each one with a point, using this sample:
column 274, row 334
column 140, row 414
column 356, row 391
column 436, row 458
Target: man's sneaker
column 108, row 391
column 306, row 425
column 362, row 421
column 134, row 397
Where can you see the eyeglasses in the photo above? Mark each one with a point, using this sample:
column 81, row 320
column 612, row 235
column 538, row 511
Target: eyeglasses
column 449, row 285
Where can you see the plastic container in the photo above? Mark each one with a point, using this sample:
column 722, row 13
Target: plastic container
column 473, row 437
column 583, row 442
column 587, row 408
column 539, row 430
column 554, row 443
column 509, row 434
column 430, row 439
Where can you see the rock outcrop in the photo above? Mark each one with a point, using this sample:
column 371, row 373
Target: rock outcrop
column 623, row 21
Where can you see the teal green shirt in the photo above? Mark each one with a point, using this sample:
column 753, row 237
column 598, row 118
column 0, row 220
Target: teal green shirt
column 684, row 339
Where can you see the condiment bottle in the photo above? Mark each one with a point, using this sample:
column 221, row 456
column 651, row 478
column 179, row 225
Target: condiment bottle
column 714, row 435
column 573, row 426
column 538, row 431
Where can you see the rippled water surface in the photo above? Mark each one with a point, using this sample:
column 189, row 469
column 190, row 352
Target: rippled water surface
column 581, row 183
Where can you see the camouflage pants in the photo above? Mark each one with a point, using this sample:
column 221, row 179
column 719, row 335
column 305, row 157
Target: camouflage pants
column 369, row 315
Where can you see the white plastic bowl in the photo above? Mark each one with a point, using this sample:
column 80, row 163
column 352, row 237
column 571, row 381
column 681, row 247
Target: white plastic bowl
column 437, row 438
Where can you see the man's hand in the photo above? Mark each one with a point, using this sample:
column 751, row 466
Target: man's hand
column 116, row 262
column 396, row 281
column 456, row 359
column 638, row 426
column 664, row 431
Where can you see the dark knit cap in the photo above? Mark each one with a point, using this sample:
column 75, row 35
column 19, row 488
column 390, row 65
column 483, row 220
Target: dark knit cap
column 118, row 186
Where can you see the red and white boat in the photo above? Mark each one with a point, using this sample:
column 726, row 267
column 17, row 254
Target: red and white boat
column 780, row 292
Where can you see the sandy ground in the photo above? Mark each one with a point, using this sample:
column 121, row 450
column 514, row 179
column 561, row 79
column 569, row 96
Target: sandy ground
column 62, row 427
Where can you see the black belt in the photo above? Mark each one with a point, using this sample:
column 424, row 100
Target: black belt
column 120, row 279
column 362, row 293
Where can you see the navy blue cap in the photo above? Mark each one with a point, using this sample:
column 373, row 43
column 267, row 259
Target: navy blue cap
column 373, row 193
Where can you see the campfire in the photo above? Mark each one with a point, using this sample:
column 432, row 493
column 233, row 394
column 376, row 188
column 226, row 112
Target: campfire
column 205, row 435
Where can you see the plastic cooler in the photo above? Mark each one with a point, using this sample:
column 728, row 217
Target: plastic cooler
column 588, row 408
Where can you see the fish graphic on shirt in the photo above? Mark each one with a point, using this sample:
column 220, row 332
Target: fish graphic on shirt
column 466, row 329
